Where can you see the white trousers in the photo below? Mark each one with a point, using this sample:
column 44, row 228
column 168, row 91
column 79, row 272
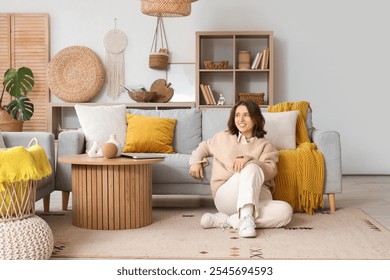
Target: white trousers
column 246, row 187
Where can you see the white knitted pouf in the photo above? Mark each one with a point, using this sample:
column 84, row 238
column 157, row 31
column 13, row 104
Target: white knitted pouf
column 26, row 239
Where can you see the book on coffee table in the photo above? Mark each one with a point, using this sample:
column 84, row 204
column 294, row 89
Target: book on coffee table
column 143, row 155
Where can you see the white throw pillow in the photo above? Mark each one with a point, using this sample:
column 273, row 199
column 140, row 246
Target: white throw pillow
column 99, row 122
column 281, row 129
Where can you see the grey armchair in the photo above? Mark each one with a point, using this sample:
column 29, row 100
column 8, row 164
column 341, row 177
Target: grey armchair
column 46, row 140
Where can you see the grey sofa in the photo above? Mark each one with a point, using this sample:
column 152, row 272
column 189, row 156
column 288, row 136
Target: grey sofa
column 192, row 127
column 46, row 140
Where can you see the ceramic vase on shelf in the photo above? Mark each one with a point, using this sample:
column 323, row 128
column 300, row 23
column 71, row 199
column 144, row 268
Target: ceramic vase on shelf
column 112, row 148
column 244, row 58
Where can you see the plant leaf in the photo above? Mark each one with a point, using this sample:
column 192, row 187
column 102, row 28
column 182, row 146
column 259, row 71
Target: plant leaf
column 22, row 105
column 18, row 82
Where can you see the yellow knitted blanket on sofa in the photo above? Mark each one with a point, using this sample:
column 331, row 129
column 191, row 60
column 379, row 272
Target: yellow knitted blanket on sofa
column 300, row 179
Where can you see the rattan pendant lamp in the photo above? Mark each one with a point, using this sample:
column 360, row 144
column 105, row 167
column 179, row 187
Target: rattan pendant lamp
column 166, row 8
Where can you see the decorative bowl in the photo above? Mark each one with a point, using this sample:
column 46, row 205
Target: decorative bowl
column 216, row 65
column 142, row 96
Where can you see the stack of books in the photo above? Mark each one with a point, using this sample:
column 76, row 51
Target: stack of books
column 261, row 60
column 208, row 94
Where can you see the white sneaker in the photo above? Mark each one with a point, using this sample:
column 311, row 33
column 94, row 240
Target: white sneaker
column 214, row 220
column 247, row 227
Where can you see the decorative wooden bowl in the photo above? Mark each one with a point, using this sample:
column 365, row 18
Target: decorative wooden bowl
column 142, row 96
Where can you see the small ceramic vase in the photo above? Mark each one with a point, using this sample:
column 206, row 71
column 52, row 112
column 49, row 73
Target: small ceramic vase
column 110, row 149
column 95, row 151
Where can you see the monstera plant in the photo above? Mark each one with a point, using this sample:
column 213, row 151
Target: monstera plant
column 18, row 83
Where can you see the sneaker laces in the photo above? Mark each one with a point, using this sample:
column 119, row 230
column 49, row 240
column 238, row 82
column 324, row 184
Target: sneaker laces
column 220, row 220
column 246, row 222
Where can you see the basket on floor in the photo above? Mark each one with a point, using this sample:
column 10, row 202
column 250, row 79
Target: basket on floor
column 17, row 201
column 258, row 98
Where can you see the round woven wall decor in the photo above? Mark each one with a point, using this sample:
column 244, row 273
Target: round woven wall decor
column 75, row 74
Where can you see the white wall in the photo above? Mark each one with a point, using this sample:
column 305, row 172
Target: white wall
column 332, row 53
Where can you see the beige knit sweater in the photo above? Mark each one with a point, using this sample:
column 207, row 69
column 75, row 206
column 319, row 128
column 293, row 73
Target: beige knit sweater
column 224, row 148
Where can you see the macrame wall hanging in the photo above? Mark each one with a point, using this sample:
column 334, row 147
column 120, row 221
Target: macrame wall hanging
column 115, row 42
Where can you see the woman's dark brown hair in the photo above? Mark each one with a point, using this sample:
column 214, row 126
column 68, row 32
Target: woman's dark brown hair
column 255, row 114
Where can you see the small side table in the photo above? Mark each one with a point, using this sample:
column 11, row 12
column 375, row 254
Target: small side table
column 111, row 194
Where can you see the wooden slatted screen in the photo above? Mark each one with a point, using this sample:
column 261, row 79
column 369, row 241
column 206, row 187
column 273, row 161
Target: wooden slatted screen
column 24, row 42
column 5, row 54
column 30, row 48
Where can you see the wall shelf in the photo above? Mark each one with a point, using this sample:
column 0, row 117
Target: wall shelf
column 56, row 110
column 218, row 46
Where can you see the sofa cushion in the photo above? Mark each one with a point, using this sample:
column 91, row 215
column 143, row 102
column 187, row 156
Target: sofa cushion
column 187, row 135
column 213, row 121
column 281, row 129
column 174, row 170
column 99, row 122
column 147, row 134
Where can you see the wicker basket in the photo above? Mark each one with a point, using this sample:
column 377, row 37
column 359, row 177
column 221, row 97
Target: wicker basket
column 17, row 201
column 216, row 65
column 158, row 61
column 257, row 97
column 142, row 96
column 7, row 123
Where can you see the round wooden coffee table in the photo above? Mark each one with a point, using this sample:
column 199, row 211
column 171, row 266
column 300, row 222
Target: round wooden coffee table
column 111, row 194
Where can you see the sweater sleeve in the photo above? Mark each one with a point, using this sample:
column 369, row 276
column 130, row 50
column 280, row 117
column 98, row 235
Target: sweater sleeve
column 267, row 161
column 200, row 154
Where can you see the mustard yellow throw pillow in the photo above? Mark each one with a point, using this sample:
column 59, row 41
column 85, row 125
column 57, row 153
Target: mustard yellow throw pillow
column 146, row 134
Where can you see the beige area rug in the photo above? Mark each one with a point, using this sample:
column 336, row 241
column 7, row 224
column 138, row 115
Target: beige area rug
column 176, row 234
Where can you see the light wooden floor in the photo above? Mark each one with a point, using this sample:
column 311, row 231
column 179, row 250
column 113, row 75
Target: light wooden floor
column 370, row 193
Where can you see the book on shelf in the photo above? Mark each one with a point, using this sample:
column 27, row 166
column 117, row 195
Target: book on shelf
column 259, row 60
column 211, row 95
column 264, row 62
column 256, row 60
column 205, row 94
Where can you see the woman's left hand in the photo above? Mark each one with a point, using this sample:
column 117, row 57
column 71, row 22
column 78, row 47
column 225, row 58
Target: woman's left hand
column 238, row 164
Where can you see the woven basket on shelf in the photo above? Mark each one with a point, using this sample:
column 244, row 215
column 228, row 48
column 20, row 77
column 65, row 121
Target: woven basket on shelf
column 216, row 65
column 258, row 97
column 142, row 96
column 166, row 8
